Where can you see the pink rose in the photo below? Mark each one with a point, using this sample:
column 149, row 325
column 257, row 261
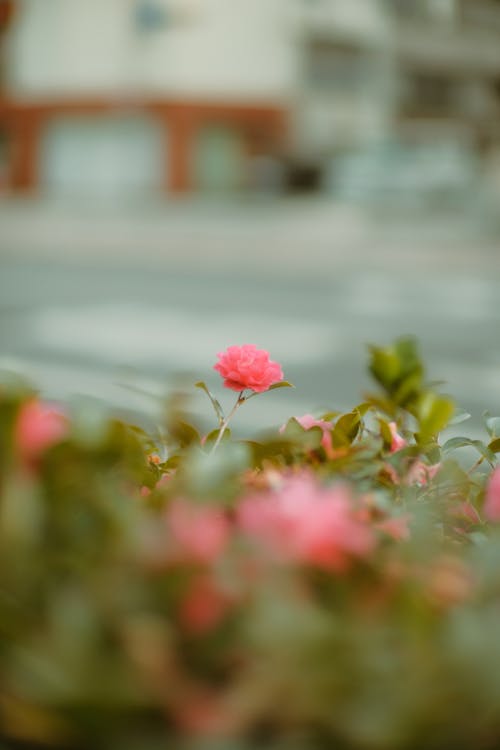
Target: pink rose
column 306, row 523
column 248, row 367
column 199, row 533
column 492, row 500
column 38, row 427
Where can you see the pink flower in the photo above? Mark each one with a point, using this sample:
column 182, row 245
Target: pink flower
column 198, row 533
column 204, row 606
column 38, row 427
column 305, row 522
column 397, row 527
column 308, row 422
column 248, row 367
column 418, row 474
column 203, row 714
column 398, row 442
column 492, row 500
column 421, row 473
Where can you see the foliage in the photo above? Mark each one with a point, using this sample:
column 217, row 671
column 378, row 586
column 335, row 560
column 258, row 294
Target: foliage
column 333, row 584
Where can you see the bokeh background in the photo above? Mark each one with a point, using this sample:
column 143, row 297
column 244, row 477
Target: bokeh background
column 307, row 175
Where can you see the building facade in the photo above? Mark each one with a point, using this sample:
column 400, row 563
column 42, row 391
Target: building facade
column 143, row 94
column 103, row 96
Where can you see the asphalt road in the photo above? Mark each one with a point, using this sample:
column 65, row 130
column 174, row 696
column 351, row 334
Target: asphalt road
column 99, row 300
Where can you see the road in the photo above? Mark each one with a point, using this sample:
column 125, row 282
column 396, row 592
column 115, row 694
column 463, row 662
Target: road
column 97, row 300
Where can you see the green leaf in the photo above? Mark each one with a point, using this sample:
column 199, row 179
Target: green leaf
column 281, row 384
column 385, row 431
column 433, row 413
column 329, row 416
column 456, row 442
column 384, row 366
column 460, row 416
column 184, row 433
column 306, row 439
column 493, row 426
column 212, row 436
column 172, row 463
column 433, row 452
column 275, row 450
column 363, row 408
column 481, row 448
column 382, row 404
column 346, row 429
column 408, row 389
column 485, row 451
column 494, row 446
column 217, row 407
column 398, row 369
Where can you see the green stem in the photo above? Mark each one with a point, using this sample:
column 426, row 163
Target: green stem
column 239, row 401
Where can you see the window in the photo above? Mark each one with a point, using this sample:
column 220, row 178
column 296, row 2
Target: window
column 332, row 66
column 429, row 94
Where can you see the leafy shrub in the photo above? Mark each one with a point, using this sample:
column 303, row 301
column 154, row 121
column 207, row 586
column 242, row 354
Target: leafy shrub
column 334, row 584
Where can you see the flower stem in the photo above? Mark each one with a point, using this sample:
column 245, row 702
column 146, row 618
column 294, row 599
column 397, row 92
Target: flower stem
column 239, row 401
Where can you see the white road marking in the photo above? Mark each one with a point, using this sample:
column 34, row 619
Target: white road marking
column 386, row 296
column 131, row 334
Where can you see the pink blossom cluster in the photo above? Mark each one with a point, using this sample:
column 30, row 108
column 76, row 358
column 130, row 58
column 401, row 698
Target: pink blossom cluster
column 304, row 522
column 418, row 473
column 301, row 522
column 293, row 521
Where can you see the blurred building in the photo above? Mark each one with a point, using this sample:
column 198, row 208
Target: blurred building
column 137, row 95
column 410, row 87
column 134, row 96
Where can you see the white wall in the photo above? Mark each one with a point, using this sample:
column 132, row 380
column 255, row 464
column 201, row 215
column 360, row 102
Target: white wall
column 64, row 46
column 220, row 48
column 230, row 48
column 358, row 19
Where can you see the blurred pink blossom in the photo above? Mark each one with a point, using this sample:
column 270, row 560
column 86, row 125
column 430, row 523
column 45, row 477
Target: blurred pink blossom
column 204, row 605
column 248, row 367
column 492, row 499
column 420, row 473
column 204, row 715
column 305, row 522
column 397, row 528
column 466, row 511
column 38, row 427
column 398, row 442
column 198, row 533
